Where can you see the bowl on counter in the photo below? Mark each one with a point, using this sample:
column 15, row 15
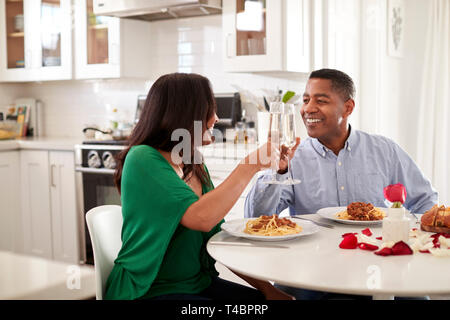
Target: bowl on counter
column 9, row 130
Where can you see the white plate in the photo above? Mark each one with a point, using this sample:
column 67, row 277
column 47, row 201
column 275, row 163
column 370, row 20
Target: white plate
column 236, row 228
column 330, row 213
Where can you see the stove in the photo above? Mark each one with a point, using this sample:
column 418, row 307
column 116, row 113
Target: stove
column 95, row 164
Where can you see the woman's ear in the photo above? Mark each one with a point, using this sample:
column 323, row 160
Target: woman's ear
column 349, row 105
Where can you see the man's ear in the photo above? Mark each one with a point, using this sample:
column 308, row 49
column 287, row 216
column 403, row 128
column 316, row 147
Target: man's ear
column 349, row 105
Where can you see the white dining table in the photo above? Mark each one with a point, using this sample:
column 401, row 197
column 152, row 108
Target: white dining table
column 316, row 262
column 25, row 277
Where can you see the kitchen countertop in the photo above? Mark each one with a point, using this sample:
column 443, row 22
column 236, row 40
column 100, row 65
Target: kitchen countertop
column 216, row 150
column 40, row 143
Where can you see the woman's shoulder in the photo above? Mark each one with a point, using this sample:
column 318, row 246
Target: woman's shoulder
column 144, row 155
column 143, row 151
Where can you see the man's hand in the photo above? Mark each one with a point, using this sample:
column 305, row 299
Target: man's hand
column 287, row 154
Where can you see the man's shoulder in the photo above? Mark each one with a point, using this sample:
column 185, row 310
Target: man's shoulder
column 375, row 139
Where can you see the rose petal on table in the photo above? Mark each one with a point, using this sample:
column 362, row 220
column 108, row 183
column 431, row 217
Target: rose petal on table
column 367, row 232
column 365, row 239
column 444, row 242
column 349, row 242
column 401, row 248
column 384, row 252
column 367, row 246
column 347, row 234
column 379, row 238
column 440, row 252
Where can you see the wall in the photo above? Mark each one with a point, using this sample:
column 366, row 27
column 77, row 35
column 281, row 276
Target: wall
column 390, row 86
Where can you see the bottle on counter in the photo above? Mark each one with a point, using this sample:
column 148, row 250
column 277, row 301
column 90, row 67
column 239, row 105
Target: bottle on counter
column 251, row 132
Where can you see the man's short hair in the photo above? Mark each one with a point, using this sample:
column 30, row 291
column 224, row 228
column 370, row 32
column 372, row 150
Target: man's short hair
column 340, row 81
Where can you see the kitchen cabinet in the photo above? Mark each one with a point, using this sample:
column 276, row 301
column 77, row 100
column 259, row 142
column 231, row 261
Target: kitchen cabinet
column 109, row 47
column 63, row 206
column 291, row 35
column 9, row 199
column 35, row 40
column 267, row 35
column 49, row 215
column 35, row 195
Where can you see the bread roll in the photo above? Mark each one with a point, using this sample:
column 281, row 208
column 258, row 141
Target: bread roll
column 437, row 219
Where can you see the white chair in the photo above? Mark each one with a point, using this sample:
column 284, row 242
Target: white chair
column 105, row 228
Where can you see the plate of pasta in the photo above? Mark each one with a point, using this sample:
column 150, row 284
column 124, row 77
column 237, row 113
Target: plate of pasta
column 359, row 213
column 269, row 228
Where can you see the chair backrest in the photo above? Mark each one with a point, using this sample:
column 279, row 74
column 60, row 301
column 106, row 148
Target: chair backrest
column 105, row 228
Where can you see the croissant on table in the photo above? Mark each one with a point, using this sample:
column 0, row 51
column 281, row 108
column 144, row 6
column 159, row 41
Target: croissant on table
column 437, row 219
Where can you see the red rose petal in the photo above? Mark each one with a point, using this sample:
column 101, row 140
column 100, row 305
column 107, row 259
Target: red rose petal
column 425, row 251
column 401, row 248
column 350, row 233
column 367, row 246
column 367, row 232
column 384, row 252
column 349, row 242
column 379, row 238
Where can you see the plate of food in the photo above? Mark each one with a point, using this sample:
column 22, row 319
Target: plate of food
column 359, row 213
column 269, row 228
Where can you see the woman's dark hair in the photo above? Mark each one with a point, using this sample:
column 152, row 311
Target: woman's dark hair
column 340, row 81
column 174, row 101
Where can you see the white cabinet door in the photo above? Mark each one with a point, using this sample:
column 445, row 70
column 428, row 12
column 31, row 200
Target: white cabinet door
column 35, row 199
column 63, row 207
column 36, row 40
column 267, row 36
column 97, row 43
column 53, row 46
column 9, row 199
column 253, row 35
column 109, row 47
column 16, row 40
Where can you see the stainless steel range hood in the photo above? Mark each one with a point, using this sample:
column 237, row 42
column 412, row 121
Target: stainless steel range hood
column 151, row 10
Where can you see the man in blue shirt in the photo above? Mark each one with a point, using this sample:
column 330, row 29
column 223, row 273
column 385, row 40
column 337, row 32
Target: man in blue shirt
column 336, row 164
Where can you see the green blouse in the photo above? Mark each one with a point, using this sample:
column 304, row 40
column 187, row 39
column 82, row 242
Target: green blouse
column 158, row 255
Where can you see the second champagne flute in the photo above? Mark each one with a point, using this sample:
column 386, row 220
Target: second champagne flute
column 275, row 133
column 289, row 137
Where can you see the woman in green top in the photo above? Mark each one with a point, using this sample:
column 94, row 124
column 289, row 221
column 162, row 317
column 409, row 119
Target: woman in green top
column 170, row 208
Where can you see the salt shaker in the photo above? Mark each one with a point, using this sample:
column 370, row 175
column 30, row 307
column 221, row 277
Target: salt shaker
column 395, row 226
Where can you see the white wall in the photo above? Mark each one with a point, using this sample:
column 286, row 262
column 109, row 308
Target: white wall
column 390, row 86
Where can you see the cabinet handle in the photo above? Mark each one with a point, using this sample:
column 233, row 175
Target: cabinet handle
column 52, row 176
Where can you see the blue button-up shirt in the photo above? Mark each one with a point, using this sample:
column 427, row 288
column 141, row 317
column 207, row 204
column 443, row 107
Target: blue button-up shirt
column 360, row 171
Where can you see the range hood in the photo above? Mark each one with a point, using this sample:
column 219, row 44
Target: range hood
column 151, row 10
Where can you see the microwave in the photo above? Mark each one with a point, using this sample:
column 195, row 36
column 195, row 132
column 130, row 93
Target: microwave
column 229, row 110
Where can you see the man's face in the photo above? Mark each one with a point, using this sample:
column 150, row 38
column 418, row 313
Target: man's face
column 324, row 110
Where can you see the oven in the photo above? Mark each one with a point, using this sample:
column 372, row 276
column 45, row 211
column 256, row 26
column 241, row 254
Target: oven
column 95, row 166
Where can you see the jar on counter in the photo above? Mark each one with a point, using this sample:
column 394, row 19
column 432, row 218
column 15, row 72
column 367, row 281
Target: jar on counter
column 240, row 132
column 251, row 132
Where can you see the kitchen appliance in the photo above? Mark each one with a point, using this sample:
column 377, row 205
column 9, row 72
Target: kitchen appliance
column 95, row 166
column 229, row 111
column 151, row 10
column 139, row 107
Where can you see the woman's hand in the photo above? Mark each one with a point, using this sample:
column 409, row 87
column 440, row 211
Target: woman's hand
column 286, row 155
column 266, row 156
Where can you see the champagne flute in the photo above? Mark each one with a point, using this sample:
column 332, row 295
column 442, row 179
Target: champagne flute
column 289, row 135
column 275, row 133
